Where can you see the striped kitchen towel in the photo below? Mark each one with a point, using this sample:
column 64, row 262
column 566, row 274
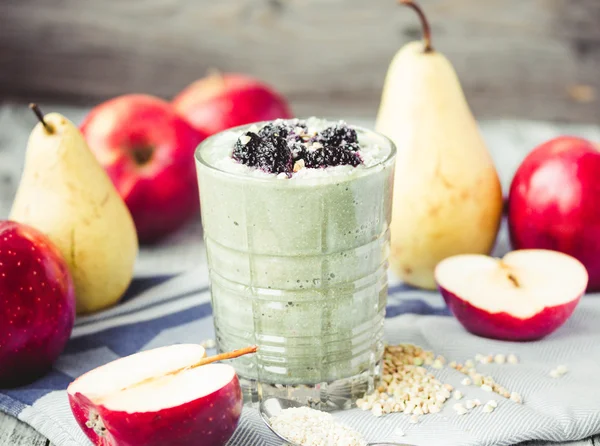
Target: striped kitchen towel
column 174, row 308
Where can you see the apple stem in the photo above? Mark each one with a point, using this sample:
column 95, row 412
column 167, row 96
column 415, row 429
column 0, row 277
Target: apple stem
column 38, row 113
column 203, row 361
column 514, row 280
column 223, row 356
column 424, row 22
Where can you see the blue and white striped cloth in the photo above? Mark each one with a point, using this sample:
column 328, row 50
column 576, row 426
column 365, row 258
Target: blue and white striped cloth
column 163, row 310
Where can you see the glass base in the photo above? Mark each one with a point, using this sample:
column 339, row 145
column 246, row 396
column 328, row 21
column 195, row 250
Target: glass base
column 340, row 394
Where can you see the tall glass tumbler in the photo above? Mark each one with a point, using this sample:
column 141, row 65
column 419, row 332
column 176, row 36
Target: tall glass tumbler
column 299, row 267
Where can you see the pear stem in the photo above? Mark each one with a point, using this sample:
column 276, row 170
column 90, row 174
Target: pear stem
column 38, row 113
column 424, row 22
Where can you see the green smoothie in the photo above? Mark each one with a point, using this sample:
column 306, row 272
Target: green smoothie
column 298, row 259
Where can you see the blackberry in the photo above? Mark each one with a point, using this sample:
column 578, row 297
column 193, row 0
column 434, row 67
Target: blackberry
column 299, row 151
column 246, row 148
column 274, row 131
column 271, row 155
column 277, row 146
column 337, row 135
column 330, row 156
column 284, row 129
column 274, row 157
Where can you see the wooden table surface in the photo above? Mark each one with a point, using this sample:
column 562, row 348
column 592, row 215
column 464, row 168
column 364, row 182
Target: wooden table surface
column 508, row 141
column 15, row 433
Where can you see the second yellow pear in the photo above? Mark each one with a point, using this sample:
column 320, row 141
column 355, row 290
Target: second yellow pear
column 65, row 193
column 447, row 194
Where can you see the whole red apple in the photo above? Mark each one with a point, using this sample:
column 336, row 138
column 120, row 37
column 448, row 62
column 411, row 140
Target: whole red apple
column 37, row 304
column 147, row 151
column 554, row 202
column 221, row 101
column 139, row 401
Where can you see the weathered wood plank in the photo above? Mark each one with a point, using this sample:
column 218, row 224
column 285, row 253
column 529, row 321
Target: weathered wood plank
column 588, row 442
column 16, row 433
column 533, row 59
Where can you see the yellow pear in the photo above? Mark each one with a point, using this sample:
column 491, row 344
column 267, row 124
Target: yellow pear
column 447, row 194
column 65, row 193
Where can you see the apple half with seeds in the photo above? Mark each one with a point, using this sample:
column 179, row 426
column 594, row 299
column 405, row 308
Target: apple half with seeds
column 165, row 396
column 524, row 296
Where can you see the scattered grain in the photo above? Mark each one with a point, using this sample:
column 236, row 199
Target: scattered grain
column 512, row 359
column 488, row 409
column 559, row 371
column 408, row 387
column 516, row 397
column 460, row 409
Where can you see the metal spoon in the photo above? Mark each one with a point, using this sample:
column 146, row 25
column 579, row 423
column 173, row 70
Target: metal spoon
column 271, row 407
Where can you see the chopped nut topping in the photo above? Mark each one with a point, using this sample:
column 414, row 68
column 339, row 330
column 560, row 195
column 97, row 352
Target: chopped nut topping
column 299, row 165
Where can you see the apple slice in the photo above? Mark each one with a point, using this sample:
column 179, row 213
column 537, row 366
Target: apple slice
column 524, row 296
column 165, row 396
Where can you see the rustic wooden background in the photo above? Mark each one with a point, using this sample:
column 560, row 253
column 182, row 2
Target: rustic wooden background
column 537, row 59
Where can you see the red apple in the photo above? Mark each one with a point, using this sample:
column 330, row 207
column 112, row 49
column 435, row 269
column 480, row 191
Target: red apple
column 554, row 202
column 139, row 400
column 148, row 152
column 37, row 304
column 221, row 101
column 523, row 297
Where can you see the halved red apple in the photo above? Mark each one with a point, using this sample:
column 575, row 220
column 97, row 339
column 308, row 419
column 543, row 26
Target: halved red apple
column 158, row 397
column 522, row 297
